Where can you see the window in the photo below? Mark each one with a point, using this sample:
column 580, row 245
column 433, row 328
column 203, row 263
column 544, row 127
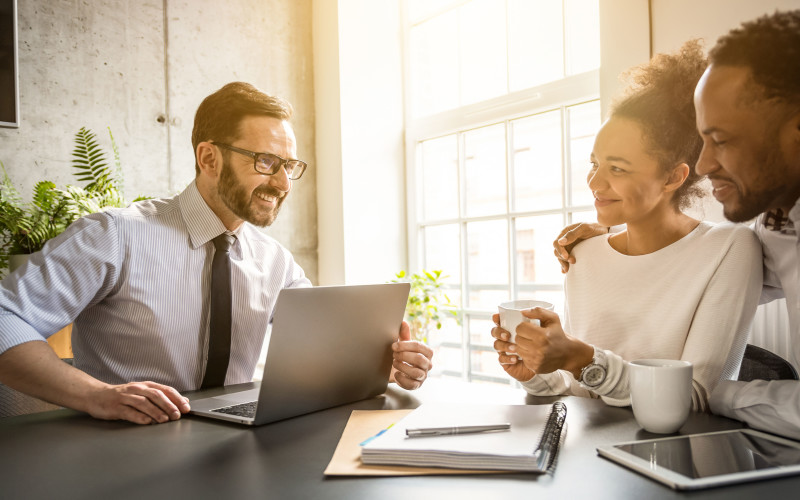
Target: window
column 502, row 107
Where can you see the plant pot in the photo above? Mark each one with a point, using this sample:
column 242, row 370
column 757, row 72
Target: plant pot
column 61, row 341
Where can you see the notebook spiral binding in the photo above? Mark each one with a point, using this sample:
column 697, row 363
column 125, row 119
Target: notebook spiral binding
column 552, row 437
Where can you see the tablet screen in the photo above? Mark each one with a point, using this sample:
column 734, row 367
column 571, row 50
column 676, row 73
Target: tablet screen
column 708, row 455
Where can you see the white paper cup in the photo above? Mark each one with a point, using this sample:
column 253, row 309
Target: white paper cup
column 511, row 315
column 661, row 393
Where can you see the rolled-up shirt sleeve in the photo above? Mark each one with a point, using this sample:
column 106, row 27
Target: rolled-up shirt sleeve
column 73, row 271
column 770, row 405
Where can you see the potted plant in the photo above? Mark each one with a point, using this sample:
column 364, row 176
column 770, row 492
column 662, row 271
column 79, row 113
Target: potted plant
column 427, row 302
column 26, row 227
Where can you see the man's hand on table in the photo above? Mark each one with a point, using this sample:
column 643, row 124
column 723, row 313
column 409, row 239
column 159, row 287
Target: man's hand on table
column 137, row 402
column 33, row 368
column 412, row 360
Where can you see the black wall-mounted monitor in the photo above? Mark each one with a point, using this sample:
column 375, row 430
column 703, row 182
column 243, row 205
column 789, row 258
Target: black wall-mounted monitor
column 9, row 78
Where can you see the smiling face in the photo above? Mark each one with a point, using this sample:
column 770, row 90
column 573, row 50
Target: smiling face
column 750, row 147
column 243, row 193
column 629, row 186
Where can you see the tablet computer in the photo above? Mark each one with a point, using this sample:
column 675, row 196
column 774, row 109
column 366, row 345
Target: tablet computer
column 711, row 459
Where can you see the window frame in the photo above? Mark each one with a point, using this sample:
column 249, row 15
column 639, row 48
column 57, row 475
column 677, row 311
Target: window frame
column 558, row 95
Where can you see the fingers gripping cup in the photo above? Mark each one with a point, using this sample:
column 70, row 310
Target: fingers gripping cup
column 511, row 315
column 661, row 393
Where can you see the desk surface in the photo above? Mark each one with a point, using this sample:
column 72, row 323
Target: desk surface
column 65, row 454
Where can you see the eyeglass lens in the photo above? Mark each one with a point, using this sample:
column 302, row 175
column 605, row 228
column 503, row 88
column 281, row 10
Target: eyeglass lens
column 269, row 164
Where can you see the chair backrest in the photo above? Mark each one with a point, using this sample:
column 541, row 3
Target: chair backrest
column 13, row 403
column 761, row 364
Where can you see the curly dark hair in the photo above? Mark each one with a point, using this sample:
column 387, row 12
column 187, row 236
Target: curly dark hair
column 219, row 115
column 770, row 47
column 660, row 98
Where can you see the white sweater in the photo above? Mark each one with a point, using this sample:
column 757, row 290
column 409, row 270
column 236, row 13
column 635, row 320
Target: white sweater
column 692, row 300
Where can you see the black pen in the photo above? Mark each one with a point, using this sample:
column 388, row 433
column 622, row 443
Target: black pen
column 449, row 431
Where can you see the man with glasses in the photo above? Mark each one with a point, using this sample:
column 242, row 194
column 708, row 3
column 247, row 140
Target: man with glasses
column 139, row 283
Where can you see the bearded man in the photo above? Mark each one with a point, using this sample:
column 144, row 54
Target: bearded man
column 137, row 282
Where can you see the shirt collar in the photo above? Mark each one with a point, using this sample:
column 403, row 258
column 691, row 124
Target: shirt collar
column 201, row 222
column 780, row 221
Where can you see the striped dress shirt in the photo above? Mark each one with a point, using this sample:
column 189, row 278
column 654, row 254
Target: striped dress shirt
column 135, row 283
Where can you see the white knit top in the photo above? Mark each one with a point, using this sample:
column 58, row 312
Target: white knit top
column 692, row 300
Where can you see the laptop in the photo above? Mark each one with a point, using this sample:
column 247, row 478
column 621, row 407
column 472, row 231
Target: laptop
column 329, row 346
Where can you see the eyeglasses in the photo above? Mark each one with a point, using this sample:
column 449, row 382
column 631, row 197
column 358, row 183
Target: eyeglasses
column 268, row 163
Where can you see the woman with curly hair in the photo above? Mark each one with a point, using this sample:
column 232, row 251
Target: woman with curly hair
column 661, row 287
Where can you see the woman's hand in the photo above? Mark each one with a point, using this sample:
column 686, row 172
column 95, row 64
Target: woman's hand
column 510, row 363
column 545, row 348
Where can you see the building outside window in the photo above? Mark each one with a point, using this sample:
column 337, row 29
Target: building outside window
column 502, row 105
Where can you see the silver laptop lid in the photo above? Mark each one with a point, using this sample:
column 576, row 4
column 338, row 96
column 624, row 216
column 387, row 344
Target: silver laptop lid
column 329, row 346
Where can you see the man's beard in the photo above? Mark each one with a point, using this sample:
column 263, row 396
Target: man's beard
column 774, row 180
column 239, row 202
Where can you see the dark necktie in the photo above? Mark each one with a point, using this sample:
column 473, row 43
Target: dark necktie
column 219, row 331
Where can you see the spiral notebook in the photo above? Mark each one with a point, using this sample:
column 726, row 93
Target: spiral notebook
column 530, row 444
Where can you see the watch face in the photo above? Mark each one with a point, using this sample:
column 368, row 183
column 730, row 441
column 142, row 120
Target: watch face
column 594, row 375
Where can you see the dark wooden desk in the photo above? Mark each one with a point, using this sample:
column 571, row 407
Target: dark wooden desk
column 65, row 454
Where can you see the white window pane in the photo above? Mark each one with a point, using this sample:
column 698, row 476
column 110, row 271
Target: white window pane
column 487, row 261
column 583, row 35
column 535, row 260
column 433, row 56
column 449, row 358
column 485, row 165
column 487, row 299
column 442, row 251
column 537, row 181
column 453, row 292
column 482, row 37
column 440, row 178
column 480, row 332
column 486, row 363
column 420, row 9
column 583, row 216
column 449, row 333
column 536, row 48
column 584, row 121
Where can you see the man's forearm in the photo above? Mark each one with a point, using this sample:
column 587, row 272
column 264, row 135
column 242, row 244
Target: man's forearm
column 34, row 369
column 772, row 405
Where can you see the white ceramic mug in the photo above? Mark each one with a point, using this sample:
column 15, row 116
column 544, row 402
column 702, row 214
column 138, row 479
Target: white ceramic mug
column 511, row 315
column 661, row 393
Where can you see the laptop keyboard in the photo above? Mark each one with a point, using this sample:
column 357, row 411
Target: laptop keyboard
column 241, row 410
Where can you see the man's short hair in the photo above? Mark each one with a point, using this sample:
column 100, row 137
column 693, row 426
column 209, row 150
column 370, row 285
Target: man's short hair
column 770, row 47
column 219, row 115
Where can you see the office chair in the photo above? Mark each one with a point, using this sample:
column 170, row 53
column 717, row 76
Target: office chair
column 761, row 364
column 13, row 403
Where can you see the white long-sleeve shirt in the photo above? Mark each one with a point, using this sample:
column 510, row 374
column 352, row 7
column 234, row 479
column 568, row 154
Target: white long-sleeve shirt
column 692, row 300
column 773, row 406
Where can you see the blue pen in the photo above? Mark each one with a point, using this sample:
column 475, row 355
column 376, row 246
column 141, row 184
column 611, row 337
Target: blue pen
column 362, row 443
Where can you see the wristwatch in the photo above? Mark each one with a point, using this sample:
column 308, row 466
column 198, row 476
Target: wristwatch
column 594, row 374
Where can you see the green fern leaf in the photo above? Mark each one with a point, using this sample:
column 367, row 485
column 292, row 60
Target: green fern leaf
column 89, row 159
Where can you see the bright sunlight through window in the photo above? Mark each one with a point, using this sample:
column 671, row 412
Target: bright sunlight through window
column 502, row 106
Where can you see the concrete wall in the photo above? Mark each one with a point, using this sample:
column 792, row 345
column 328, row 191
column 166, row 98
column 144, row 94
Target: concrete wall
column 141, row 67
